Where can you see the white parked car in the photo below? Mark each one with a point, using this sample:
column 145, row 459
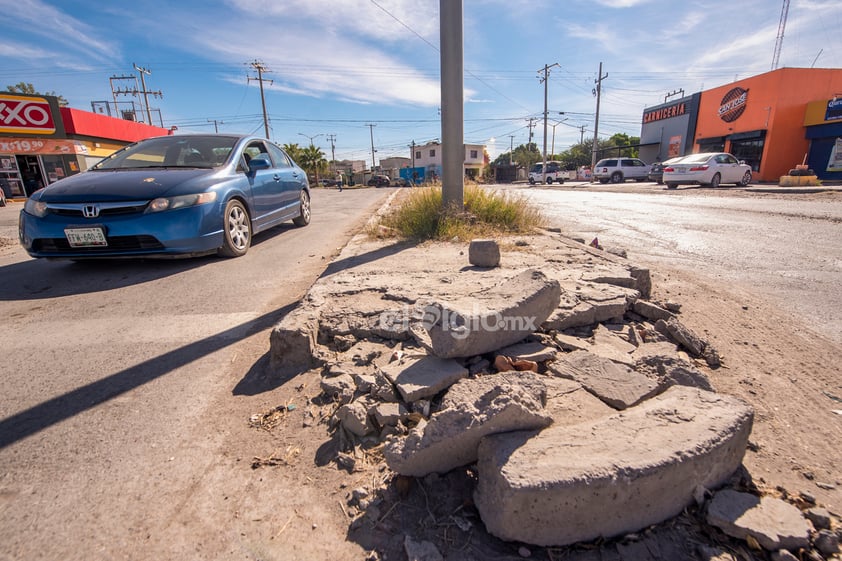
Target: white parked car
column 708, row 168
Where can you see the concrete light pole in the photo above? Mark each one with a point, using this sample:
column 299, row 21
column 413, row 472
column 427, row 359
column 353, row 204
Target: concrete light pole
column 452, row 110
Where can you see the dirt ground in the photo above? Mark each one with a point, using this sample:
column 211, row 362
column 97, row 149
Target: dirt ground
column 357, row 509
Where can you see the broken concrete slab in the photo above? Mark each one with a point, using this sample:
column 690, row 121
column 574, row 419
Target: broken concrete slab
column 471, row 409
column 670, row 370
column 534, row 351
column 390, row 413
column 774, row 523
column 615, row 384
column 607, row 344
column 354, row 417
column 607, row 477
column 484, row 253
column 293, row 342
column 651, row 311
column 569, row 403
column 488, row 321
column 422, row 376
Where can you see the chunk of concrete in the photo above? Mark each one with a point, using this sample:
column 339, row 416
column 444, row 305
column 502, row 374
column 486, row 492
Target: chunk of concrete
column 775, row 524
column 484, row 253
column 502, row 316
column 471, row 409
column 354, row 417
column 389, row 413
column 422, row 376
column 613, row 475
column 669, row 370
column 536, row 352
column 651, row 311
column 615, row 384
column 608, row 344
column 293, row 343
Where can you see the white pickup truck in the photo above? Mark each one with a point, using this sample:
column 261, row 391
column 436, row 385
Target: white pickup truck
column 555, row 173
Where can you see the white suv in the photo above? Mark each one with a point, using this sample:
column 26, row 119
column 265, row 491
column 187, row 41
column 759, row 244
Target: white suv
column 617, row 170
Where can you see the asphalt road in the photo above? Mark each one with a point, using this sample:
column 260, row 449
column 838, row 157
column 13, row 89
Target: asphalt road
column 785, row 246
column 122, row 379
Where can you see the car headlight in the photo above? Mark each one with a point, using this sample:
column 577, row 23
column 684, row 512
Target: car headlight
column 35, row 208
column 181, row 201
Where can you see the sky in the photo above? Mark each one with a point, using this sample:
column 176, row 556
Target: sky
column 346, row 72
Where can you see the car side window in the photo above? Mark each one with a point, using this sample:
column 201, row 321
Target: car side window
column 279, row 156
column 730, row 159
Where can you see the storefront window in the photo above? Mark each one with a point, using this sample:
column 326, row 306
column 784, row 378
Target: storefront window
column 712, row 145
column 749, row 151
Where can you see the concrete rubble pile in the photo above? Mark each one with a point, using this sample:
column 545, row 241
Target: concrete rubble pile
column 544, row 365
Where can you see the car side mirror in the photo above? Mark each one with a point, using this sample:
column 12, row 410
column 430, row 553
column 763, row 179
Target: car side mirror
column 742, row 161
column 258, row 163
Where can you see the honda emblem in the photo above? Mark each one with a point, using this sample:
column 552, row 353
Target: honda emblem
column 90, row 211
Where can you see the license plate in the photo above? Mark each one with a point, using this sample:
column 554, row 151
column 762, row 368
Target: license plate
column 85, row 237
column 681, row 170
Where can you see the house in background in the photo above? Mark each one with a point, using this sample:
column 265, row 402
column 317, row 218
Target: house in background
column 428, row 156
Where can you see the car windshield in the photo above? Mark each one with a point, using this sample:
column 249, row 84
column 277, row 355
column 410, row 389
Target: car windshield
column 200, row 151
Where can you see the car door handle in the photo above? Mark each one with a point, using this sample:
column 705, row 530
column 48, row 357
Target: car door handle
column 276, row 177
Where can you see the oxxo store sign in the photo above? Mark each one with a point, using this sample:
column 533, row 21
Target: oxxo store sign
column 26, row 115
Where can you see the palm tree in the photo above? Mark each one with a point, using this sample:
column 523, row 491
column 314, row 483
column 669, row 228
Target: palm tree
column 294, row 151
column 312, row 160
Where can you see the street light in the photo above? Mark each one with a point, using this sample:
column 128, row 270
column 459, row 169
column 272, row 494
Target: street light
column 311, row 137
column 554, row 126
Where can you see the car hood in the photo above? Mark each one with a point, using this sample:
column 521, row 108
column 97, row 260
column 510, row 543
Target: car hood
column 125, row 185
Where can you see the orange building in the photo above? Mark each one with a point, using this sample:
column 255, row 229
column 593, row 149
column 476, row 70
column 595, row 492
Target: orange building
column 762, row 119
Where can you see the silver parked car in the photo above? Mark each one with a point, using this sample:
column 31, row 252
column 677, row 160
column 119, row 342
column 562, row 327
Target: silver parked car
column 708, row 168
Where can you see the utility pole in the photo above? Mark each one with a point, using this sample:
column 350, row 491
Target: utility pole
column 452, row 105
column 216, row 124
column 143, row 72
column 142, row 91
column 511, row 148
column 545, row 80
column 261, row 68
column 371, row 130
column 582, row 134
column 531, row 125
column 332, row 138
column 597, row 92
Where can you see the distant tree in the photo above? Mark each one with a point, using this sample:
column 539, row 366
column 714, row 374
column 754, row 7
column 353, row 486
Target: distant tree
column 524, row 155
column 26, row 88
column 313, row 160
column 294, row 151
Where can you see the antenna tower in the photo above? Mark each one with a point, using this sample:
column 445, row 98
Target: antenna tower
column 780, row 40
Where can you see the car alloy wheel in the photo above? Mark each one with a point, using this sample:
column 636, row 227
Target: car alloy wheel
column 746, row 179
column 616, row 177
column 714, row 181
column 236, row 230
column 303, row 217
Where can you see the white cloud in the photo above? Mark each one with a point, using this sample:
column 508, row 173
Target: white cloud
column 56, row 27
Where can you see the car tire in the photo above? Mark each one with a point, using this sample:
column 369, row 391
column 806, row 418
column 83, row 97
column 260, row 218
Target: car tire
column 236, row 230
column 549, row 181
column 531, row 181
column 672, row 185
column 714, row 181
column 745, row 180
column 616, row 177
column 560, row 181
column 303, row 217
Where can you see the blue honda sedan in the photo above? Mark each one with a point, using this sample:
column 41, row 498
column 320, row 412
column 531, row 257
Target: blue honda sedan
column 168, row 196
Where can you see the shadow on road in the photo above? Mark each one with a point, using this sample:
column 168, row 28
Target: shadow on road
column 53, row 411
